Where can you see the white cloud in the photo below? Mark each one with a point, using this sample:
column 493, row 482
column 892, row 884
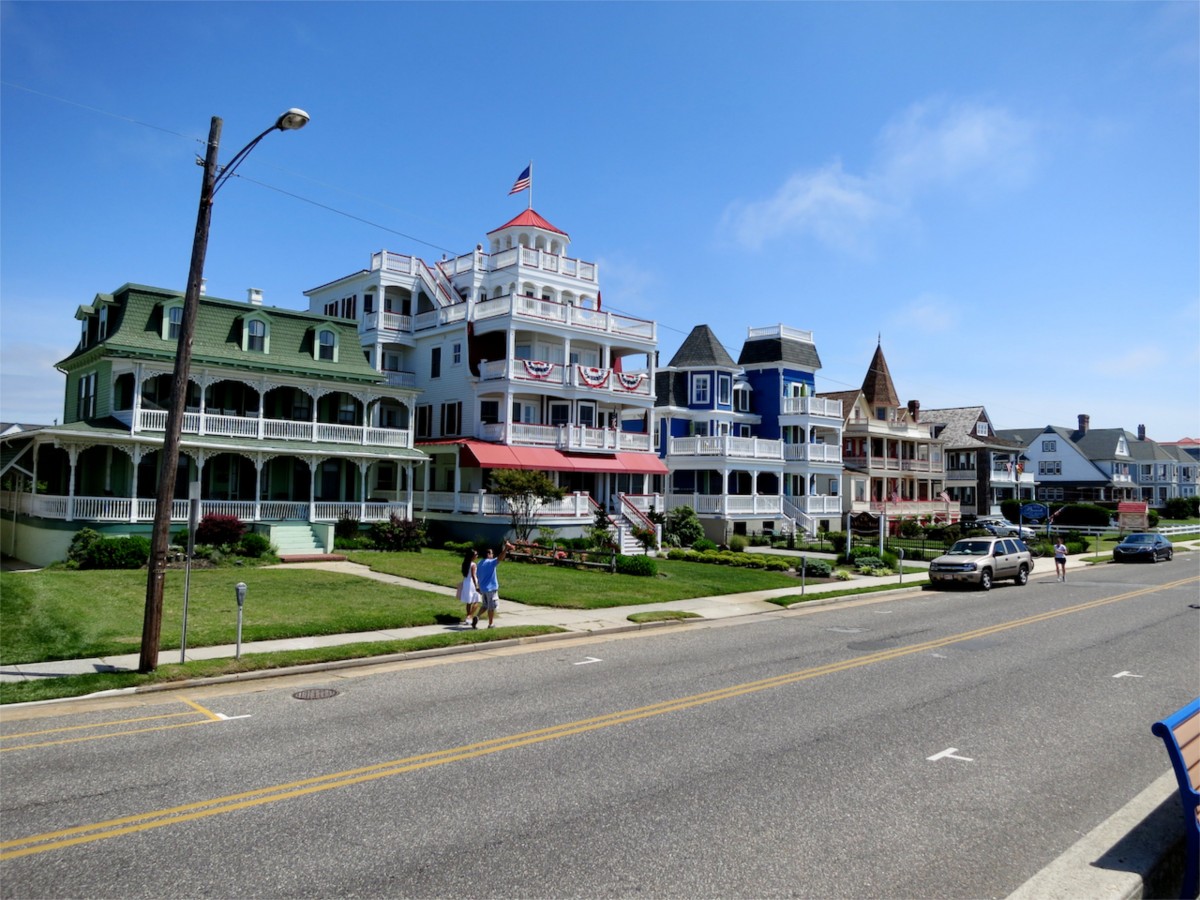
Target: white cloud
column 828, row 203
column 929, row 314
column 1131, row 361
column 969, row 147
column 32, row 388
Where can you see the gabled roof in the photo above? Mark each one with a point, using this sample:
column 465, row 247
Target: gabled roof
column 528, row 219
column 782, row 350
column 1101, row 443
column 1148, row 450
column 959, row 428
column 701, row 349
column 877, row 387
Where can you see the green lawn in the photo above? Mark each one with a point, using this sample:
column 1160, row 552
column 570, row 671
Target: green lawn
column 540, row 585
column 75, row 614
column 65, row 614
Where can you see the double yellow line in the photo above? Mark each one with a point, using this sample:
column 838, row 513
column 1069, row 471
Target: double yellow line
column 55, row 840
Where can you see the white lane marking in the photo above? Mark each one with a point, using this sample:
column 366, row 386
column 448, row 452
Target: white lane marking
column 587, row 660
column 948, row 754
column 1127, row 675
column 225, row 718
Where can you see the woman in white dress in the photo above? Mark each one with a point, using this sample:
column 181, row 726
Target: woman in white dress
column 468, row 591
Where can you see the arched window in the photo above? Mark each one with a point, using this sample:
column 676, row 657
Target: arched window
column 256, row 336
column 326, row 345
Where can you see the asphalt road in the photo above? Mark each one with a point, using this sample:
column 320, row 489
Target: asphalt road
column 924, row 745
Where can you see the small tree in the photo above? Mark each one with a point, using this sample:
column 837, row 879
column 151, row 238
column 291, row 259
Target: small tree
column 525, row 490
column 683, row 526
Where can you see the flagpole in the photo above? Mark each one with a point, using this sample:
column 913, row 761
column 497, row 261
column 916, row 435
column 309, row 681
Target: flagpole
column 530, row 198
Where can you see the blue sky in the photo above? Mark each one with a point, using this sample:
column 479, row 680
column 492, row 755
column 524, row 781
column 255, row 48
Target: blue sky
column 1005, row 194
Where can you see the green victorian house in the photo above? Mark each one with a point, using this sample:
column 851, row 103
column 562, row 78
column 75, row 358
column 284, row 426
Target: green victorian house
column 288, row 427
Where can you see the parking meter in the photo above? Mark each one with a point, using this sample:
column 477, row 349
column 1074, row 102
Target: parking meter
column 240, row 590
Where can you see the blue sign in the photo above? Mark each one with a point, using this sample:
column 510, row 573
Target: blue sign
column 1034, row 511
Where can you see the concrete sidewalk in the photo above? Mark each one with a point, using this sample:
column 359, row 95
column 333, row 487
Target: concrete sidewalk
column 508, row 612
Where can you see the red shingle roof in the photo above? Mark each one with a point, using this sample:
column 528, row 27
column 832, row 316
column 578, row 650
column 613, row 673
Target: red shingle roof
column 529, row 219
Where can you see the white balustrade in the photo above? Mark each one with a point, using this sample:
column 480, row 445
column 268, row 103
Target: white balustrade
column 253, row 428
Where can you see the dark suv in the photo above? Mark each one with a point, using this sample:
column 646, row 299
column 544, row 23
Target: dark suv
column 982, row 560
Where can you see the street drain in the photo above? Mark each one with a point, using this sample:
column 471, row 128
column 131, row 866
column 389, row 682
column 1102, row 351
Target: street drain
column 315, row 694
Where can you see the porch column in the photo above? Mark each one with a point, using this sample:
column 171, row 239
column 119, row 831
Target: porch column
column 313, row 462
column 258, row 464
column 73, row 456
column 136, row 424
column 427, row 464
column 457, row 481
column 202, row 385
column 363, row 466
column 135, row 457
column 408, row 479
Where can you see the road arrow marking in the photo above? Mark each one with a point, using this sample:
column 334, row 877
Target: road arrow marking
column 588, row 660
column 948, row 754
column 1127, row 675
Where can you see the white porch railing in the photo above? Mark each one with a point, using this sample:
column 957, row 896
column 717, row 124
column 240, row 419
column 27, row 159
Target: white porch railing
column 572, row 506
column 727, row 505
column 811, row 406
column 554, row 374
column 277, row 429
column 535, row 309
column 823, row 453
column 140, row 509
column 570, row 437
column 727, row 445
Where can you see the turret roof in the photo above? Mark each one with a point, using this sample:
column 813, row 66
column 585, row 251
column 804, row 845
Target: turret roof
column 700, row 349
column 877, row 387
column 528, row 219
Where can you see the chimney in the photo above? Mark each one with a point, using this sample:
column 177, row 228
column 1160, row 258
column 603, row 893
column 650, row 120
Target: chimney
column 1141, row 432
column 254, row 296
column 1083, row 423
column 914, row 410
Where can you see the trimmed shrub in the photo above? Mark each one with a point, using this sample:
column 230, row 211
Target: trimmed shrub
column 254, row 545
column 117, row 553
column 346, row 526
column 220, row 531
column 636, row 565
column 81, row 545
column 738, row 543
column 459, row 547
column 816, row 568
column 398, row 534
column 683, row 527
column 703, row 545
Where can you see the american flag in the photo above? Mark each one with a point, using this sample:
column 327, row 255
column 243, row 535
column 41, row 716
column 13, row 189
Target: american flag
column 524, row 180
column 895, row 496
column 944, row 497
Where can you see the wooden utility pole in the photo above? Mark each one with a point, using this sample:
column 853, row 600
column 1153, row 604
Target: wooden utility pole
column 169, row 456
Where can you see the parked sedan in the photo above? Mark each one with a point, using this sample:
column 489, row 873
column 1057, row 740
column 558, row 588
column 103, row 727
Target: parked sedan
column 1143, row 547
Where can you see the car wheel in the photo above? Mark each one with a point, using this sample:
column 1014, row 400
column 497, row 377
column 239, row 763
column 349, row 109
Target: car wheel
column 1170, row 554
column 1022, row 578
column 1153, row 556
column 985, row 580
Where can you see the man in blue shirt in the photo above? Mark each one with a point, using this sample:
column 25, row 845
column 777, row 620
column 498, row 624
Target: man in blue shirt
column 489, row 586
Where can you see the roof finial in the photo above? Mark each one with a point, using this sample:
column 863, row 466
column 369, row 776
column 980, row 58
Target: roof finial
column 879, row 339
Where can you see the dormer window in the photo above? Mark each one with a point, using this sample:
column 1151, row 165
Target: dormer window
column 327, row 345
column 83, row 333
column 103, row 332
column 172, row 321
column 256, row 336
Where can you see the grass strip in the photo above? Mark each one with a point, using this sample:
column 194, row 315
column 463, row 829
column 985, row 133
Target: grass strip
column 53, row 688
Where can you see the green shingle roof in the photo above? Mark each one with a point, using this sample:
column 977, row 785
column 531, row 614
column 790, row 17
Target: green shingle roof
column 135, row 330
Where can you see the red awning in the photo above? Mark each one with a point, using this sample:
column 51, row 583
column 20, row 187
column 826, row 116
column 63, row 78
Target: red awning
column 500, row 456
column 642, row 463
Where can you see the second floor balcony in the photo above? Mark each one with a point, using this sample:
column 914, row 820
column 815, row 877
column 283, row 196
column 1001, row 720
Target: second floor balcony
column 534, row 310
column 893, row 464
column 254, row 428
column 568, row 437
column 559, row 375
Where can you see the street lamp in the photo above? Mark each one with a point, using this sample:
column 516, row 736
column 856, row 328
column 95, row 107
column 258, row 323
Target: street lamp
column 214, row 177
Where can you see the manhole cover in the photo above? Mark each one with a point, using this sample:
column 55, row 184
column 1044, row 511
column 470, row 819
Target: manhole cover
column 315, row 694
